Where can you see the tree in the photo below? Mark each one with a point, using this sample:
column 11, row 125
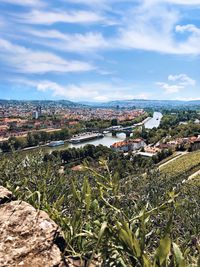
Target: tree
column 114, row 122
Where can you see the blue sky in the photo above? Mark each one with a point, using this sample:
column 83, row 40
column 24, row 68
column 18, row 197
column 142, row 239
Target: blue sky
column 99, row 50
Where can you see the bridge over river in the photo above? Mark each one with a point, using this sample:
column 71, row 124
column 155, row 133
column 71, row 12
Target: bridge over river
column 114, row 130
column 148, row 123
column 119, row 129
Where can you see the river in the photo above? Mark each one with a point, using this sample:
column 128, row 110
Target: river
column 155, row 121
column 107, row 140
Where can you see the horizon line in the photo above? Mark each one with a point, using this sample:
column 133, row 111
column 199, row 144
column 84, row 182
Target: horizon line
column 108, row 101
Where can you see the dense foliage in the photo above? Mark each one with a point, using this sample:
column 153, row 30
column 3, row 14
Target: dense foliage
column 34, row 139
column 141, row 218
column 117, row 162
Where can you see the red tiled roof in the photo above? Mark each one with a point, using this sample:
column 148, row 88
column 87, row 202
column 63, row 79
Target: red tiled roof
column 138, row 140
column 120, row 144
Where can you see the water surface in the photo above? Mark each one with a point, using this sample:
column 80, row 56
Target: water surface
column 155, row 121
column 107, row 140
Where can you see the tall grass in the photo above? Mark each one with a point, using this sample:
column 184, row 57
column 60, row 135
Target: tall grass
column 122, row 222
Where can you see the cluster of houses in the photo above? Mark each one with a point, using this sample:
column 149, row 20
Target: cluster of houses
column 87, row 114
column 140, row 146
column 7, row 124
column 193, row 142
column 17, row 127
column 137, row 146
column 128, row 145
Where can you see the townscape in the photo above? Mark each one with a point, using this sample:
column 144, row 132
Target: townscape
column 138, row 151
column 53, row 121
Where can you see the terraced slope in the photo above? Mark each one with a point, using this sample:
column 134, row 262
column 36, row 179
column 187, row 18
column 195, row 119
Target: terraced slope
column 195, row 181
column 185, row 165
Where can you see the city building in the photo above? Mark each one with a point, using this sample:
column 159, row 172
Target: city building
column 128, row 145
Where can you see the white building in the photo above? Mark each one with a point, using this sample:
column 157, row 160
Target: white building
column 129, row 145
column 35, row 115
column 137, row 144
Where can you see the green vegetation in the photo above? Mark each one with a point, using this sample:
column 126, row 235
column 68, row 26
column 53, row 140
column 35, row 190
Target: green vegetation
column 118, row 162
column 33, row 139
column 110, row 210
column 184, row 165
column 195, row 181
column 170, row 127
column 136, row 120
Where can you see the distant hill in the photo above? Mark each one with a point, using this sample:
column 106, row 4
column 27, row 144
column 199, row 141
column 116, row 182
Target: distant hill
column 53, row 103
column 133, row 103
column 143, row 103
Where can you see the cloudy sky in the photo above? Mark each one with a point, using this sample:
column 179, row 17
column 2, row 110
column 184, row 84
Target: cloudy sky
column 99, row 50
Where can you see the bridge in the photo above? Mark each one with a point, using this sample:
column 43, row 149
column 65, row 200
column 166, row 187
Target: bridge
column 115, row 130
column 119, row 129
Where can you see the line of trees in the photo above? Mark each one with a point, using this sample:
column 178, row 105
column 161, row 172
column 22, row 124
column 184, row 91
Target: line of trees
column 118, row 162
column 33, row 139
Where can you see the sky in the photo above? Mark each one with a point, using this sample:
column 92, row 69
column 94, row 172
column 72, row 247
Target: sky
column 100, row 50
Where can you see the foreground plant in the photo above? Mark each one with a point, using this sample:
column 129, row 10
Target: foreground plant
column 102, row 216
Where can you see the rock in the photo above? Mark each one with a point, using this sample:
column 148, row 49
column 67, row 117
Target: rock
column 72, row 262
column 27, row 237
column 5, row 195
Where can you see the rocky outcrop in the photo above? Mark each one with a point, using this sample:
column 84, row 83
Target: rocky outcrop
column 27, row 237
column 5, row 195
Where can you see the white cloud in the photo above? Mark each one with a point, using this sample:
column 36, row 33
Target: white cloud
column 91, row 91
column 149, row 29
column 183, row 2
column 21, row 59
column 84, row 91
column 174, row 2
column 188, row 28
column 51, row 17
column 182, row 81
column 189, row 98
column 101, row 4
column 88, row 2
column 90, row 41
column 141, row 27
column 156, row 28
column 153, row 32
column 170, row 89
column 24, row 2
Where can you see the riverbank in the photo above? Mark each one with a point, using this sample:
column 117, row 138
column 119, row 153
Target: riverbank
column 107, row 140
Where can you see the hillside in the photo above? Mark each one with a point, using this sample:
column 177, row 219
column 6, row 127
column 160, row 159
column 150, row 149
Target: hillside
column 51, row 103
column 125, row 219
column 185, row 165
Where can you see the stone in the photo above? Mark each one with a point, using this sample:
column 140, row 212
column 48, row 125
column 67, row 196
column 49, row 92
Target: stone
column 5, row 195
column 72, row 262
column 27, row 237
